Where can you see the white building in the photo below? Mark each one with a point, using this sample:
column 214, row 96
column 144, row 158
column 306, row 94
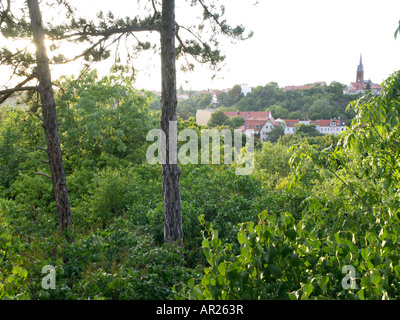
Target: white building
column 245, row 89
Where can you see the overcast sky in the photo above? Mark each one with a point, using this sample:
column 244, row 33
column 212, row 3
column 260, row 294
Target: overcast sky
column 295, row 42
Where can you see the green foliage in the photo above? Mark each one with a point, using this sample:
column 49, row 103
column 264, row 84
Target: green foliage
column 350, row 221
column 218, row 118
column 273, row 161
column 307, row 130
column 188, row 107
column 234, row 122
column 314, row 206
column 268, row 266
column 275, row 133
column 103, row 121
column 320, row 101
column 19, row 136
column 278, row 112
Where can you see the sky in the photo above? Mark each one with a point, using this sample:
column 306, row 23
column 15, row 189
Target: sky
column 294, row 43
column 299, row 42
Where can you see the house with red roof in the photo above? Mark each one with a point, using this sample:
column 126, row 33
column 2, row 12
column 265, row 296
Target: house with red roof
column 259, row 123
column 330, row 126
column 256, row 123
column 303, row 87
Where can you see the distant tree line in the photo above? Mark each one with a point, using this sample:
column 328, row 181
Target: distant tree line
column 317, row 102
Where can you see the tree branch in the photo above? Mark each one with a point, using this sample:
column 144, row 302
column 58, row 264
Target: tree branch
column 348, row 187
column 43, row 174
column 5, row 12
column 110, row 32
column 9, row 92
column 19, row 87
column 39, row 117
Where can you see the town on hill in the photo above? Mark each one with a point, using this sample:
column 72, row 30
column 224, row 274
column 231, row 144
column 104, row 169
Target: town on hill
column 263, row 108
column 259, row 124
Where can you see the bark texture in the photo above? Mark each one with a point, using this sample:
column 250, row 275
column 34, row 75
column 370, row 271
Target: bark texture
column 50, row 119
column 170, row 171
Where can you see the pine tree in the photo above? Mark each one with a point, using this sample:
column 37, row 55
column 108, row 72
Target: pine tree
column 106, row 32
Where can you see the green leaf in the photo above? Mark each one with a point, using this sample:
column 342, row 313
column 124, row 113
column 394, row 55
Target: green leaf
column 294, row 295
column 222, row 268
column 191, row 283
column 387, row 243
column 285, row 250
column 269, row 254
column 376, row 277
column 275, row 271
column 307, row 289
column 294, row 260
column 291, row 234
column 241, row 236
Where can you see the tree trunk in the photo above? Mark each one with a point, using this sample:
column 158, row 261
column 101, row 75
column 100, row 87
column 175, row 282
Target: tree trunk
column 50, row 119
column 170, row 170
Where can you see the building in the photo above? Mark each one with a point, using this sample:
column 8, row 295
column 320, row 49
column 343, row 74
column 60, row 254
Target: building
column 303, row 87
column 203, row 116
column 361, row 85
column 256, row 123
column 246, row 89
column 290, row 125
column 329, row 126
column 332, row 126
column 259, row 123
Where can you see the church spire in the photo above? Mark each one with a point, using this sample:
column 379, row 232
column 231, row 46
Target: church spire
column 360, row 71
column 360, row 66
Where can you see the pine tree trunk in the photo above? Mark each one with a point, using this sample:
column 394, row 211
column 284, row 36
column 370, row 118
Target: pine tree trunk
column 170, row 170
column 50, row 119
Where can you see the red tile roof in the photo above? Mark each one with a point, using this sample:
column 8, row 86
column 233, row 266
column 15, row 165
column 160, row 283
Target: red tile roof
column 293, row 88
column 251, row 124
column 363, row 86
column 291, row 122
column 321, row 123
column 253, row 118
column 327, row 123
column 248, row 114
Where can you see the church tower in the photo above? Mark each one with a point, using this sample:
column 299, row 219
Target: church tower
column 360, row 71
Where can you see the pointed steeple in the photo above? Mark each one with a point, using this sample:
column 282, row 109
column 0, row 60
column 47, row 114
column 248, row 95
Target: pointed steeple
column 360, row 71
column 360, row 66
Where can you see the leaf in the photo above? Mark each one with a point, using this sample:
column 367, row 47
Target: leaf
column 387, row 243
column 376, row 277
column 291, row 234
column 307, row 289
column 269, row 254
column 294, row 295
column 275, row 271
column 222, row 268
column 286, row 250
column 294, row 260
column 242, row 236
column 191, row 283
